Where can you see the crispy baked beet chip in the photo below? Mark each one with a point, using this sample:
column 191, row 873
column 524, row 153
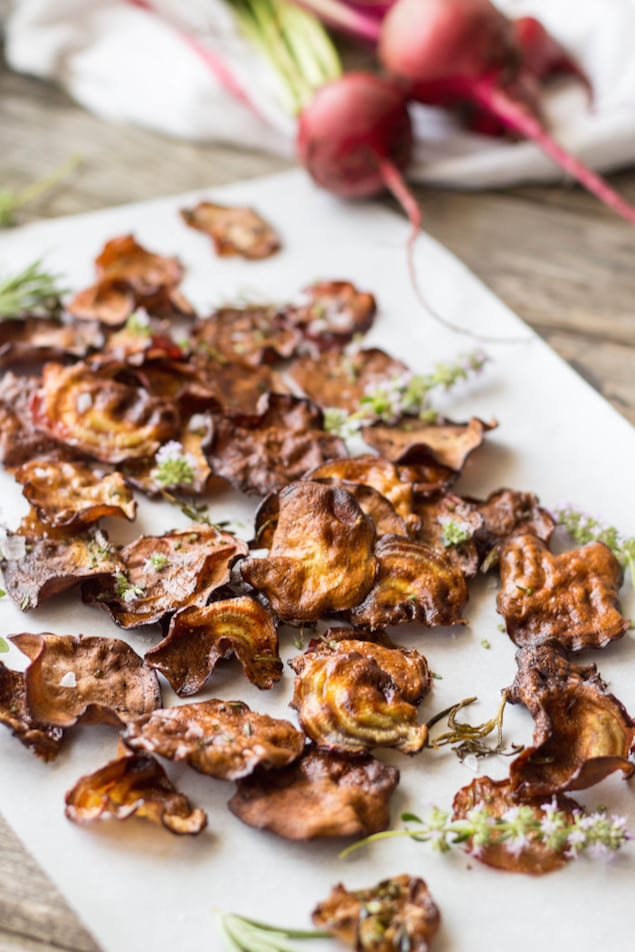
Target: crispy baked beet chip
column 507, row 513
column 40, row 567
column 133, row 785
column 224, row 739
column 234, row 231
column 397, row 914
column 201, row 637
column 322, row 794
column 20, row 440
column 130, row 276
column 89, row 409
column 37, row 339
column 261, row 453
column 331, row 313
column 348, row 702
column 162, row 574
column 233, row 388
column 413, row 583
column 582, row 734
column 250, row 335
column 341, row 379
column 83, row 679
column 179, row 465
column 73, row 494
column 497, row 797
column 43, row 739
column 571, row 597
column 450, row 525
column 443, row 443
column 321, row 557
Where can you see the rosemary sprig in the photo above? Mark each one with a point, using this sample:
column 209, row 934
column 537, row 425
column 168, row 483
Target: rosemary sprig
column 468, row 738
column 584, row 528
column 249, row 935
column 11, row 201
column 31, row 291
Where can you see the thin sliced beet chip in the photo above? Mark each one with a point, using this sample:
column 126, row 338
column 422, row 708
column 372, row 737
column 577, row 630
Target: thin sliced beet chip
column 250, row 335
column 341, row 379
column 450, row 525
column 133, row 785
column 37, row 339
column 73, row 494
column 582, row 733
column 396, row 915
column 332, row 313
column 234, row 231
column 80, row 678
column 224, row 739
column 321, row 557
column 497, row 797
column 571, row 597
column 20, row 440
column 507, row 513
column 261, row 453
column 320, row 795
column 89, row 409
column 43, row 739
column 411, row 441
column 414, row 583
column 163, row 574
column 233, row 388
column 199, row 638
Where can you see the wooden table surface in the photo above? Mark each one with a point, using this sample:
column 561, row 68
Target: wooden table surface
column 554, row 255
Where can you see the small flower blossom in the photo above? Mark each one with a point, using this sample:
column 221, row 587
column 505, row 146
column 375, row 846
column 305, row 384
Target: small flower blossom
column 174, row 466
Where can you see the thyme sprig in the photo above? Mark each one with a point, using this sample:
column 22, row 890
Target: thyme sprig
column 584, row 528
column 469, row 739
column 11, row 201
column 31, row 291
column 249, row 935
column 600, row 832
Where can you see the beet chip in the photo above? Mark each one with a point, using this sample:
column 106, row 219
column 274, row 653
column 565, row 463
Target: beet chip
column 200, row 637
column 43, row 739
column 340, row 379
column 249, row 335
column 261, row 453
column 87, row 408
column 411, row 441
column 320, row 795
column 36, row 339
column 162, row 574
column 73, row 494
column 349, row 703
column 92, row 680
column 39, row 568
column 331, row 313
column 571, row 597
column 20, row 440
column 414, row 583
column 133, row 785
column 321, row 556
column 450, row 524
column 507, row 513
column 234, row 231
column 397, row 914
column 497, row 797
column 582, row 734
column 224, row 739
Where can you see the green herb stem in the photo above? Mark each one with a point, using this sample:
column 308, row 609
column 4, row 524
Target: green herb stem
column 11, row 201
column 32, row 290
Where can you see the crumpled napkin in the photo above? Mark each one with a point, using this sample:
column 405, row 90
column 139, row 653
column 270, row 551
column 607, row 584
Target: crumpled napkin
column 124, row 64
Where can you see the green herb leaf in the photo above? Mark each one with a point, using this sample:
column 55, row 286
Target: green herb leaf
column 32, row 290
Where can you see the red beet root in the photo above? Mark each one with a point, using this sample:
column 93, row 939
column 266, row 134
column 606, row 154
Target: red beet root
column 542, row 55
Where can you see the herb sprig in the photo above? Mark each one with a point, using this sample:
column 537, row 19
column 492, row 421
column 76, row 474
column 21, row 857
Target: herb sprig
column 31, row 291
column 469, row 739
column 11, row 201
column 249, row 935
column 584, row 528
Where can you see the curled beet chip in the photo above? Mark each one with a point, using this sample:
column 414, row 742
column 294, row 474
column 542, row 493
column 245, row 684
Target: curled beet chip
column 234, row 389
column 443, row 443
column 92, row 680
column 20, row 440
column 571, row 597
column 497, row 797
column 347, row 701
column 582, row 734
column 507, row 513
column 73, row 494
column 37, row 568
column 321, row 557
column 413, row 583
column 396, row 914
column 224, row 739
column 133, row 785
column 341, row 379
column 320, row 795
column 37, row 339
column 331, row 313
column 43, row 739
column 89, row 409
column 250, row 335
column 163, row 574
column 199, row 638
column 234, row 231
column 450, row 525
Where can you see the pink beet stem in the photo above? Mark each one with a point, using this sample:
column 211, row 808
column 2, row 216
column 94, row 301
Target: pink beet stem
column 517, row 117
column 342, row 17
column 216, row 65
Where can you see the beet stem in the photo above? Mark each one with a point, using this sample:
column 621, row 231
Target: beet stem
column 518, row 118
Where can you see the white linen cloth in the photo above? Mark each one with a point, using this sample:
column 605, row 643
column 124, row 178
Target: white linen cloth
column 125, row 64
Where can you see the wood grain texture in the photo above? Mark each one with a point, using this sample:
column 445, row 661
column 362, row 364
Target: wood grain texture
column 560, row 260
